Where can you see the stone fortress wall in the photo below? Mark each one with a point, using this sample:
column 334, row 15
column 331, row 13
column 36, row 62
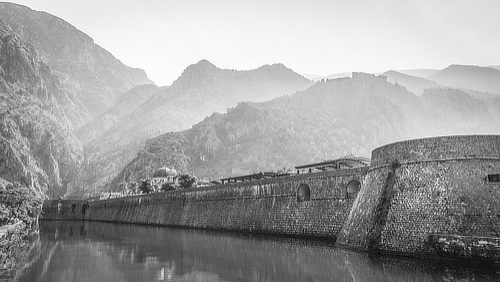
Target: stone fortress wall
column 419, row 197
column 420, row 188
column 271, row 206
column 64, row 210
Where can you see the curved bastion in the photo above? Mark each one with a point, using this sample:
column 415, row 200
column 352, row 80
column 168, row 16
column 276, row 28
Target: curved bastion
column 418, row 190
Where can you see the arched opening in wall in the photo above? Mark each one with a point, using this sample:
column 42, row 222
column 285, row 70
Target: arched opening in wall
column 73, row 207
column 303, row 193
column 353, row 188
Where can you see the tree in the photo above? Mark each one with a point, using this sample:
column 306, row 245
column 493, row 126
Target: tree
column 186, row 181
column 145, row 186
column 167, row 187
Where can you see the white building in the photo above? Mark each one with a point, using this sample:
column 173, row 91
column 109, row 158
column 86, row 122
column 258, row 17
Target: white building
column 164, row 175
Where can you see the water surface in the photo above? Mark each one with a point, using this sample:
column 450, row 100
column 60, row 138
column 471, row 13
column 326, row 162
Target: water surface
column 93, row 251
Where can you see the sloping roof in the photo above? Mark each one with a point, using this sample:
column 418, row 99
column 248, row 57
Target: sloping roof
column 254, row 176
column 349, row 161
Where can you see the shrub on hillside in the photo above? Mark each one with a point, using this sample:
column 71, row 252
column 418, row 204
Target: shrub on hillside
column 19, row 210
column 168, row 187
column 146, row 187
column 186, row 181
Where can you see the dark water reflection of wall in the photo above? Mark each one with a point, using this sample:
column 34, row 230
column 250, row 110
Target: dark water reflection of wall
column 92, row 251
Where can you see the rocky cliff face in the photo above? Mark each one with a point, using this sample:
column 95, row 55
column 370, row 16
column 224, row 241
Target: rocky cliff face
column 96, row 77
column 37, row 146
column 54, row 80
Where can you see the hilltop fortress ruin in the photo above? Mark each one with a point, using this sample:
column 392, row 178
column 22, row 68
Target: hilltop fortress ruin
column 425, row 197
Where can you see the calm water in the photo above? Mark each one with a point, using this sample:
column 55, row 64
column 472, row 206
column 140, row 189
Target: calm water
column 91, row 251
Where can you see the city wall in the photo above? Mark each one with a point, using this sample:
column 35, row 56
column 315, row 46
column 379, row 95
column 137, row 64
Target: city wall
column 307, row 205
column 64, row 210
column 418, row 188
column 421, row 197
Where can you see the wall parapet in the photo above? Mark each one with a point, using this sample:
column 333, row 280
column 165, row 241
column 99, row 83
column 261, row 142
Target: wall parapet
column 251, row 189
column 457, row 147
column 268, row 206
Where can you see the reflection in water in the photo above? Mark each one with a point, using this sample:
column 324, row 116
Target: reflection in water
column 92, row 251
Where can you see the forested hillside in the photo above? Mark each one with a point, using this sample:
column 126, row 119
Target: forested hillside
column 75, row 119
column 54, row 80
column 113, row 139
column 328, row 120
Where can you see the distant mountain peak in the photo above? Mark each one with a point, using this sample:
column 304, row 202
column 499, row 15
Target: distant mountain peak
column 275, row 65
column 368, row 76
column 394, row 72
column 203, row 65
column 458, row 67
column 205, row 62
column 196, row 74
column 414, row 84
column 484, row 79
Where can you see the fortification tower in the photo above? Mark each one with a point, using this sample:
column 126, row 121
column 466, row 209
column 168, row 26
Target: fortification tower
column 417, row 188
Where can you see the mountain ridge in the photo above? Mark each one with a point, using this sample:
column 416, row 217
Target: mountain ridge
column 94, row 74
column 484, row 79
column 261, row 129
column 200, row 90
column 327, row 120
column 54, row 78
column 78, row 116
column 414, row 84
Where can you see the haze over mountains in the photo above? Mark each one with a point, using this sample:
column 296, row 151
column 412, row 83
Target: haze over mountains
column 329, row 119
column 74, row 119
column 112, row 139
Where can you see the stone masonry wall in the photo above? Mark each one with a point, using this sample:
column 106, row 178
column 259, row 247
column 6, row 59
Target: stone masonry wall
column 63, row 210
column 422, row 187
column 414, row 192
column 267, row 206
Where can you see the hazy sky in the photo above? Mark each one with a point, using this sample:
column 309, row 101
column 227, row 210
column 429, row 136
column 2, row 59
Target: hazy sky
column 319, row 37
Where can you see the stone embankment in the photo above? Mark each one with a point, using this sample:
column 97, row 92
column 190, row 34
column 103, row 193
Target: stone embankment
column 423, row 197
column 271, row 206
